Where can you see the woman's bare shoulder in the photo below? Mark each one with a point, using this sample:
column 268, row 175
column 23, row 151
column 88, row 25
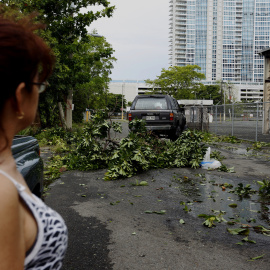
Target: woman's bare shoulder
column 11, row 226
column 9, row 197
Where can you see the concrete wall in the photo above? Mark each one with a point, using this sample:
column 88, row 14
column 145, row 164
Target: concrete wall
column 129, row 89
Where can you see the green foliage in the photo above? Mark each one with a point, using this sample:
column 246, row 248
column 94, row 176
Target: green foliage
column 142, row 183
column 92, row 148
column 83, row 62
column 213, row 138
column 142, row 151
column 53, row 136
column 210, row 219
column 209, row 92
column 114, row 102
column 217, row 155
column 259, row 145
column 179, row 82
column 264, row 187
column 237, row 231
column 54, row 169
column 161, row 212
column 243, row 191
column 137, row 126
column 29, row 131
column 96, row 58
column 256, row 258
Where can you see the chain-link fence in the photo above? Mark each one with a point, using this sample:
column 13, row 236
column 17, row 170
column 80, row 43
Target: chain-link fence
column 246, row 121
column 198, row 117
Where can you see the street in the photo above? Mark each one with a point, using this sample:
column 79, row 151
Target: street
column 123, row 225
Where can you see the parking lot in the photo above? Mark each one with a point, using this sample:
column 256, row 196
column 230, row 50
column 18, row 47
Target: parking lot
column 124, row 225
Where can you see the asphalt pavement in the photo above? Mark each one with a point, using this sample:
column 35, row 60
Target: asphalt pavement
column 246, row 130
column 121, row 225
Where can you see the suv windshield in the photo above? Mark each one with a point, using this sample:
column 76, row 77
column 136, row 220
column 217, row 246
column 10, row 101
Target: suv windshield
column 151, row 103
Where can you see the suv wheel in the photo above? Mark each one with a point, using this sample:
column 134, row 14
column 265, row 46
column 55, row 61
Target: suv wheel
column 175, row 134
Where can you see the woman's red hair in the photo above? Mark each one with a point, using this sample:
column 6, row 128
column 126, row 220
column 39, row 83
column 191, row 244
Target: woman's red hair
column 23, row 55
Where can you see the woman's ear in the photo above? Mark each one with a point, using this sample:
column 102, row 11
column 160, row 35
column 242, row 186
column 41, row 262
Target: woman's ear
column 19, row 99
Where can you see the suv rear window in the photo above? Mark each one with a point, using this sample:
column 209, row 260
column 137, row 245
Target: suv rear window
column 151, row 103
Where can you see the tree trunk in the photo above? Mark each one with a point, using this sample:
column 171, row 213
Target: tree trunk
column 62, row 116
column 69, row 110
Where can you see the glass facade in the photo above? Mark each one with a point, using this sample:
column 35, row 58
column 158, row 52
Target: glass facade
column 261, row 33
column 234, row 31
column 201, row 34
column 214, row 42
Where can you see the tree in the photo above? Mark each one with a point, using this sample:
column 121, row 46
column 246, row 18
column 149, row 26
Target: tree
column 66, row 32
column 114, row 102
column 179, row 82
column 96, row 61
column 210, row 92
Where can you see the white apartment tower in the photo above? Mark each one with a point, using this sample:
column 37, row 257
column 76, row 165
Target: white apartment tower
column 223, row 37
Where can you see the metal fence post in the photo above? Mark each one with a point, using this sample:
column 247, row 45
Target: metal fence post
column 232, row 118
column 257, row 120
column 215, row 119
column 201, row 109
column 193, row 117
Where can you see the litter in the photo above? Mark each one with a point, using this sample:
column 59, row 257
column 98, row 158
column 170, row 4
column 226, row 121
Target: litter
column 209, row 163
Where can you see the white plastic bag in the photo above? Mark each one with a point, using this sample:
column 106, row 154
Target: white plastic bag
column 208, row 163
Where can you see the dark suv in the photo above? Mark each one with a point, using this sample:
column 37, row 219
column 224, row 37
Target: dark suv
column 161, row 113
column 26, row 152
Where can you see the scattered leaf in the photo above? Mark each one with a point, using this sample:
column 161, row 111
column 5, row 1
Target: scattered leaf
column 256, row 258
column 143, row 183
column 230, row 222
column 181, row 221
column 237, row 231
column 251, row 241
column 161, row 212
column 114, row 203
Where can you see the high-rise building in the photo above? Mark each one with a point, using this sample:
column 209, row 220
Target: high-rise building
column 223, row 37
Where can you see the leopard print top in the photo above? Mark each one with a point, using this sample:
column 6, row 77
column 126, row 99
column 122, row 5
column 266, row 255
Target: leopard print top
column 50, row 246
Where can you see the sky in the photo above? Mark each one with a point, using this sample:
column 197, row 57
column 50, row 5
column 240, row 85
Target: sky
column 139, row 33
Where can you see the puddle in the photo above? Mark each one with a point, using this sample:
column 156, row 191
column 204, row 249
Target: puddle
column 209, row 198
column 241, row 151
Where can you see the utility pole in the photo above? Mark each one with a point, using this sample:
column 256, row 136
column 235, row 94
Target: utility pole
column 69, row 101
column 123, row 85
column 223, row 90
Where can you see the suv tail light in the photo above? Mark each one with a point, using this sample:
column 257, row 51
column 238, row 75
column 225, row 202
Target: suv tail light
column 171, row 116
column 129, row 117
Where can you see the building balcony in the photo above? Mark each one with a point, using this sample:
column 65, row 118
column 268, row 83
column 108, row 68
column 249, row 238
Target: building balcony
column 181, row 39
column 182, row 56
column 183, row 7
column 180, row 34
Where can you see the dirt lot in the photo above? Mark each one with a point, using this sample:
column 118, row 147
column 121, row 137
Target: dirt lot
column 124, row 225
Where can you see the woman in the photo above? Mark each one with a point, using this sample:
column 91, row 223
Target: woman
column 32, row 236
